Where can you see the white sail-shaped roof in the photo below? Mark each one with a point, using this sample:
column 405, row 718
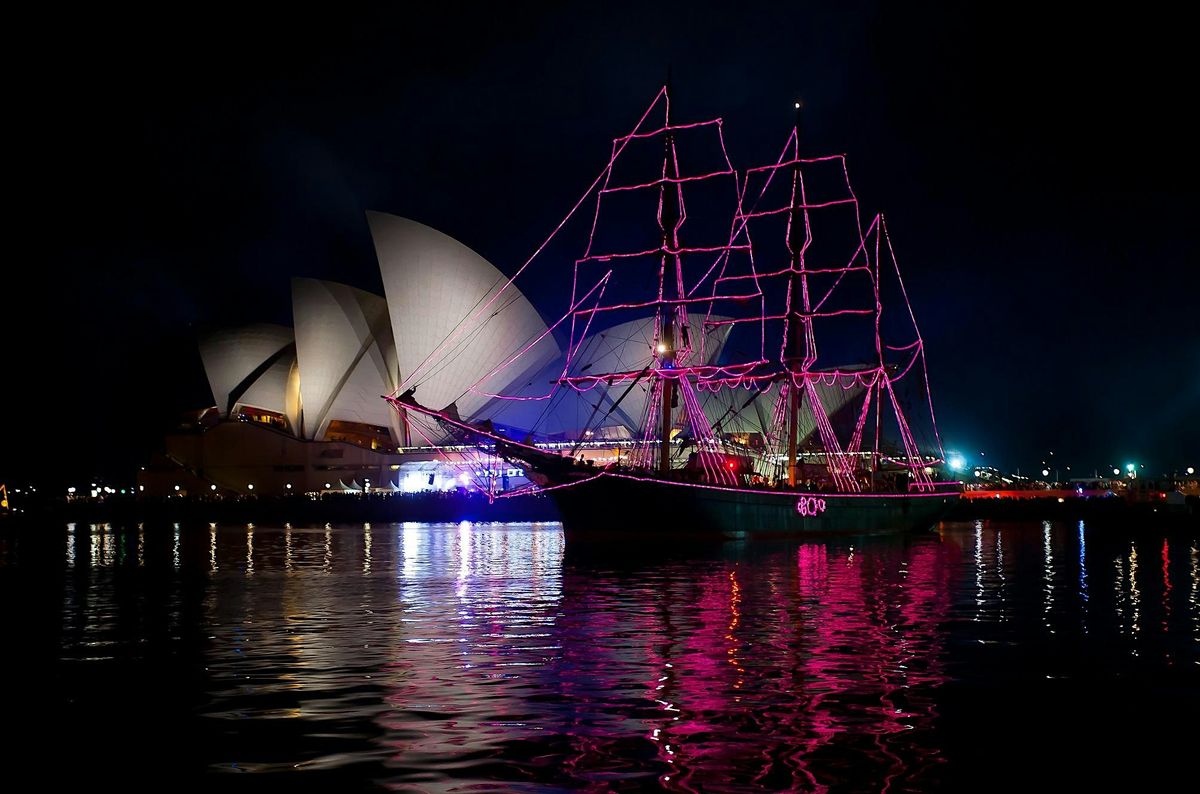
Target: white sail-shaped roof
column 433, row 285
column 346, row 355
column 236, row 359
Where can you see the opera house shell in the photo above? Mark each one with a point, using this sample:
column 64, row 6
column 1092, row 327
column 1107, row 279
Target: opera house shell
column 299, row 410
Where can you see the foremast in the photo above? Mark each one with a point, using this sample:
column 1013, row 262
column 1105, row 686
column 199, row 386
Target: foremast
column 798, row 349
column 666, row 313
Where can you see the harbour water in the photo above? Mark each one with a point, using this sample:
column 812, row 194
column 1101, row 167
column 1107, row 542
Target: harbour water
column 496, row 657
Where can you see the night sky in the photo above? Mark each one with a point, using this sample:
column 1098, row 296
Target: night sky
column 1039, row 176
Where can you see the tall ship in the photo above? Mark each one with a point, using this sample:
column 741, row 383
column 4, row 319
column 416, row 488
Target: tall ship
column 739, row 346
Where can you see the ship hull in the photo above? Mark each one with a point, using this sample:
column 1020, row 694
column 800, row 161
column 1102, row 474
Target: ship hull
column 614, row 505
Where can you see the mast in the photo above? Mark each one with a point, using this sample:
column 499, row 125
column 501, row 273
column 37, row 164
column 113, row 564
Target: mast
column 668, row 220
column 794, row 343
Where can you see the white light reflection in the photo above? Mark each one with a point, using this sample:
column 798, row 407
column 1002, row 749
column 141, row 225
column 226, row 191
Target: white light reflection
column 410, row 538
column 1134, row 593
column 978, row 570
column 327, row 563
column 212, row 547
column 110, row 545
column 367, row 547
column 1119, row 593
column 1194, row 596
column 1083, row 583
column 141, row 547
column 175, row 548
column 1048, row 570
column 95, row 544
column 250, row 549
column 287, row 547
column 464, row 554
column 1000, row 586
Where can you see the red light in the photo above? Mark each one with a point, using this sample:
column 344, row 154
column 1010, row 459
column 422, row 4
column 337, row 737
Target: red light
column 731, row 465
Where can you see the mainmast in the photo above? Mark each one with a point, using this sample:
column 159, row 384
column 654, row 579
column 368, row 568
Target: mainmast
column 794, row 350
column 668, row 220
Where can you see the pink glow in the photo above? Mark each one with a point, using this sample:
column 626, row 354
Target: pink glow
column 668, row 180
column 669, row 127
column 661, row 250
column 810, row 506
column 795, row 160
column 782, row 210
column 787, row 271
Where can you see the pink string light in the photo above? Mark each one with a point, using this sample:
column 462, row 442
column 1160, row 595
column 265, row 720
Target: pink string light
column 916, row 329
column 835, row 461
column 668, row 180
column 669, row 127
column 661, row 250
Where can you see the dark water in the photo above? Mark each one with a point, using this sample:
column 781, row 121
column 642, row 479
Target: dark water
column 492, row 658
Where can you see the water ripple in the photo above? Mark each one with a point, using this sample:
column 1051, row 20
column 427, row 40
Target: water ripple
column 466, row 657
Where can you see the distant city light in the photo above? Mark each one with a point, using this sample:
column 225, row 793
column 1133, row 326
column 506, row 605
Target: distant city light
column 956, row 462
column 176, row 487
column 1116, row 471
column 1129, row 467
column 250, row 486
column 212, row 487
column 1045, row 472
column 327, row 485
column 71, row 489
column 1191, row 470
column 288, row 486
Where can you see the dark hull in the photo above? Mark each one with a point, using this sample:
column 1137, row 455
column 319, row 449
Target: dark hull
column 617, row 505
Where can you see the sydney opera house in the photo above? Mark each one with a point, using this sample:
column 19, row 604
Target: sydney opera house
column 300, row 409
